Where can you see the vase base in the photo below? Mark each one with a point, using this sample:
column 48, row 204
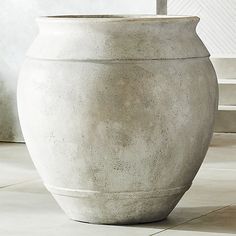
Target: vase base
column 107, row 209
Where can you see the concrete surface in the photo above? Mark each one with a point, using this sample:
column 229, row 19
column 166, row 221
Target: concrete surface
column 119, row 102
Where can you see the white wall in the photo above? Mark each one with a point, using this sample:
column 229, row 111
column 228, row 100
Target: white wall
column 17, row 30
column 217, row 26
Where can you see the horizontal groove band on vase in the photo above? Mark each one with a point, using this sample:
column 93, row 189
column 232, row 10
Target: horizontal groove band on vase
column 129, row 132
column 108, row 195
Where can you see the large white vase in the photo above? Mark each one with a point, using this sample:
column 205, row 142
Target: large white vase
column 117, row 113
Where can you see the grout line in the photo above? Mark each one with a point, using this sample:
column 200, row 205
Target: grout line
column 187, row 221
column 18, row 183
column 221, row 169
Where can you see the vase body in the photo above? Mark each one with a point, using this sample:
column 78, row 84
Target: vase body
column 117, row 113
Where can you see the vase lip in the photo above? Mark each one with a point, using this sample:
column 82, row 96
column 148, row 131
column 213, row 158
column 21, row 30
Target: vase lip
column 109, row 18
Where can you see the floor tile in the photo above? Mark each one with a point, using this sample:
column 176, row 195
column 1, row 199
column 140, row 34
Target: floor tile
column 38, row 214
column 15, row 164
column 31, row 186
column 203, row 197
column 189, row 233
column 222, row 222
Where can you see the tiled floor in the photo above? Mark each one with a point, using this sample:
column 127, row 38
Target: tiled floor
column 207, row 209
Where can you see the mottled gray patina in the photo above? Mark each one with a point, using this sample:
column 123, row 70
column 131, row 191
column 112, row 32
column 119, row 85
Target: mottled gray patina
column 117, row 113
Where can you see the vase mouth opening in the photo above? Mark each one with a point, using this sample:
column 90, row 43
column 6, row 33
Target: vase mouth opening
column 99, row 18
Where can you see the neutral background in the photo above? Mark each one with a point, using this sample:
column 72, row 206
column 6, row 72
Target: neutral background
column 218, row 22
column 18, row 29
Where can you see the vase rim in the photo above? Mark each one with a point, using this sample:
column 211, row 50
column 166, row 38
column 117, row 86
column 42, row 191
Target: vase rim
column 105, row 18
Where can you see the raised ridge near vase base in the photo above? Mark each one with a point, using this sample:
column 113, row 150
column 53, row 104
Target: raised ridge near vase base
column 111, row 207
column 104, row 210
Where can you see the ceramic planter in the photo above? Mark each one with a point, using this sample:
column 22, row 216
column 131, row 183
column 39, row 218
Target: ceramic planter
column 117, row 113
